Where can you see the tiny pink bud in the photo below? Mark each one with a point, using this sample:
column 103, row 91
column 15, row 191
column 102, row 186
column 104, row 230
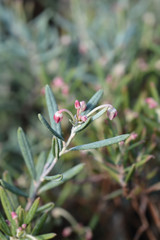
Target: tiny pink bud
column 24, row 225
column 151, row 102
column 77, row 104
column 67, row 232
column 112, row 113
column 58, row 116
column 14, row 215
column 20, row 229
column 121, row 143
column 84, row 118
column 133, row 136
column 58, row 82
column 89, row 235
column 83, row 106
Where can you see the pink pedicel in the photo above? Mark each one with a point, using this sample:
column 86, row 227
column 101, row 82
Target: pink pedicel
column 151, row 102
column 83, row 106
column 58, row 116
column 111, row 113
column 77, row 104
column 14, row 215
column 83, row 118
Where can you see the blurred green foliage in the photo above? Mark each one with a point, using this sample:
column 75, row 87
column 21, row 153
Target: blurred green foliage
column 113, row 45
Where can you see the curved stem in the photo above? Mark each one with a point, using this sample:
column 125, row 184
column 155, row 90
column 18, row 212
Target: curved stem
column 46, row 171
column 99, row 107
column 67, row 111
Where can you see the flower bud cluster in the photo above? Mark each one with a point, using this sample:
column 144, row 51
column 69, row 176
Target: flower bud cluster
column 81, row 107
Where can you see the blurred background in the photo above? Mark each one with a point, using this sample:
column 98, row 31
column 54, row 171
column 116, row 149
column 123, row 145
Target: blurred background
column 78, row 47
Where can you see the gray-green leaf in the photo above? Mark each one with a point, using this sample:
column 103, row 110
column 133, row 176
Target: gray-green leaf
column 7, row 209
column 93, row 101
column 57, row 177
column 45, row 208
column 26, row 152
column 46, row 124
column 52, row 108
column 13, row 189
column 46, row 236
column 3, row 226
column 39, row 224
column 32, row 211
column 66, row 176
column 102, row 143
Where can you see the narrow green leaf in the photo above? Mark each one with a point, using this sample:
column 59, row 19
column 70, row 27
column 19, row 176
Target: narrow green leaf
column 93, row 101
column 26, row 152
column 130, row 173
column 5, row 203
column 2, row 237
column 46, row 236
column 66, row 176
column 39, row 224
column 40, row 165
column 50, row 157
column 13, row 189
column 4, row 226
column 102, row 143
column 7, row 209
column 55, row 147
column 46, row 208
column 21, row 215
column 46, row 124
column 13, row 198
column 52, row 108
column 57, row 177
column 32, row 211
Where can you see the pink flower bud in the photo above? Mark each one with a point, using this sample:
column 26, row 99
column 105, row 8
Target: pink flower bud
column 84, row 118
column 58, row 116
column 121, row 143
column 24, row 225
column 89, row 234
column 67, row 232
column 77, row 104
column 151, row 102
column 133, row 136
column 112, row 113
column 83, row 106
column 14, row 215
column 58, row 82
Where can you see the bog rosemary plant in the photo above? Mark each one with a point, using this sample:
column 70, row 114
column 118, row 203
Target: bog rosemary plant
column 18, row 223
